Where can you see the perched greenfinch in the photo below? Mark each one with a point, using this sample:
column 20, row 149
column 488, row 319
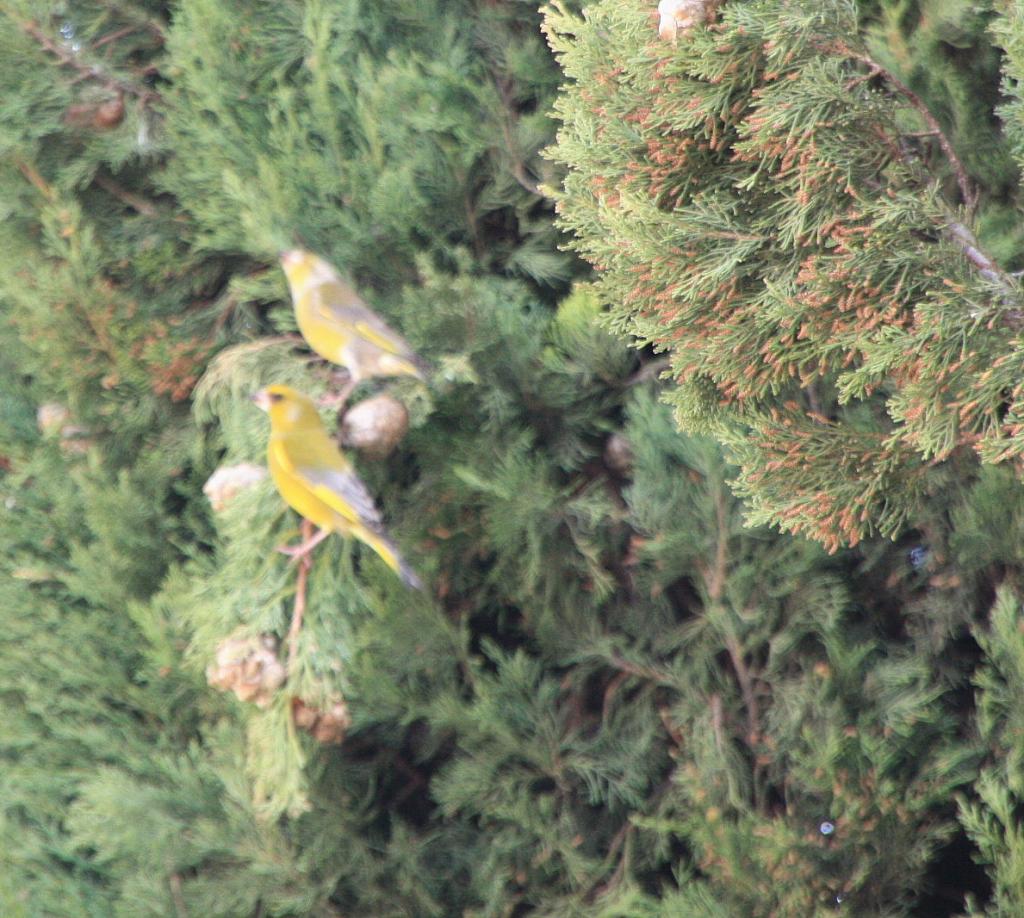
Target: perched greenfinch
column 340, row 327
column 318, row 481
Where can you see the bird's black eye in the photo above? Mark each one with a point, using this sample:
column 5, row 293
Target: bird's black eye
column 276, row 396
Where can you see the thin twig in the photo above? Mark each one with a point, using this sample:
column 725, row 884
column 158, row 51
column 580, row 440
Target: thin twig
column 812, row 399
column 33, row 176
column 987, row 268
column 86, row 71
column 718, row 722
column 518, row 170
column 959, row 232
column 861, row 78
column 416, row 780
column 659, row 677
column 142, row 19
column 649, row 370
column 716, row 577
column 620, row 840
column 746, row 687
column 620, row 870
column 136, row 202
column 672, row 729
column 177, row 897
column 609, row 693
column 114, row 36
column 1008, row 284
column 614, row 846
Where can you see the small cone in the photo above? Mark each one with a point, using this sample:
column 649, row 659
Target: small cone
column 249, row 667
column 678, row 17
column 100, row 115
column 327, row 726
column 375, row 426
column 51, row 417
column 618, row 454
column 229, row 480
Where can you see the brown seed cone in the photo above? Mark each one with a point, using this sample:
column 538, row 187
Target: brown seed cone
column 249, row 667
column 51, row 417
column 108, row 115
column 96, row 116
column 327, row 727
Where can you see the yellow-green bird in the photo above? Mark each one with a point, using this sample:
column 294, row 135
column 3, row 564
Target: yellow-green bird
column 318, row 481
column 340, row 327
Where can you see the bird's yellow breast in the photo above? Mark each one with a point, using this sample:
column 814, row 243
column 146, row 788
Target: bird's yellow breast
column 328, row 338
column 296, row 493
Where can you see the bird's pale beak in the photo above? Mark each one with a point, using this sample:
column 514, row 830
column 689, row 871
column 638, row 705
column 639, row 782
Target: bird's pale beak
column 291, row 257
column 261, row 399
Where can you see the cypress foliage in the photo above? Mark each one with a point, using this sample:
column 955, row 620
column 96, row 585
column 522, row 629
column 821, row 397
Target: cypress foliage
column 614, row 698
column 770, row 200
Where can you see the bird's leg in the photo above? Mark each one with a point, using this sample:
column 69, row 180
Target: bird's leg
column 301, row 551
column 342, row 396
column 339, row 398
column 300, row 588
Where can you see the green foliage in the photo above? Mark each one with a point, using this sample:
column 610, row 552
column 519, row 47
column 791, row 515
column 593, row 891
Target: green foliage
column 421, row 124
column 944, row 52
column 775, row 200
column 990, row 817
column 615, row 698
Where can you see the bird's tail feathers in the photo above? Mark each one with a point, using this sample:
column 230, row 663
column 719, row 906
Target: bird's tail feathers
column 413, row 365
column 388, row 551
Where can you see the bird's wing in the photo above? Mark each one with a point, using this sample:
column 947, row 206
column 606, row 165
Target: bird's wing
column 340, row 303
column 343, row 491
column 315, row 463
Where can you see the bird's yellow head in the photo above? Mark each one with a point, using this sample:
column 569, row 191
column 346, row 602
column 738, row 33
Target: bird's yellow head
column 288, row 408
column 303, row 268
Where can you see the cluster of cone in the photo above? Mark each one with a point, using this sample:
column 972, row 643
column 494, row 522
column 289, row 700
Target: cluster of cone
column 315, row 477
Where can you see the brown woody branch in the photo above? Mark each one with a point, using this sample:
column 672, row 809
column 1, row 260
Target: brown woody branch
column 518, row 168
column 177, row 896
column 35, row 179
column 746, row 687
column 957, row 231
column 963, row 181
column 136, row 202
column 658, row 677
column 987, row 268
